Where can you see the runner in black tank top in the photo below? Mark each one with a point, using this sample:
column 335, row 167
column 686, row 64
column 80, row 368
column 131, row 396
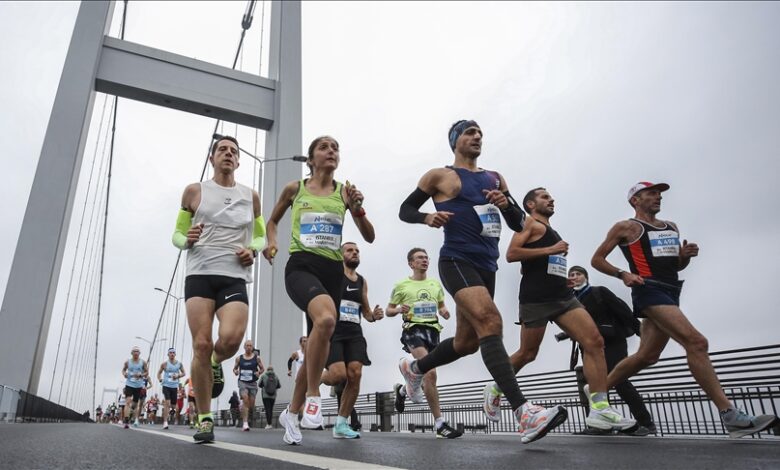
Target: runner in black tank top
column 655, row 255
column 348, row 349
column 545, row 296
column 248, row 368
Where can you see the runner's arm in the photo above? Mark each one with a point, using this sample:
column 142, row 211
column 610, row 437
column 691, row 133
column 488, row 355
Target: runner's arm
column 513, row 214
column 260, row 366
column 354, row 199
column 516, row 252
column 281, row 206
column 427, row 187
column 160, row 371
column 124, row 370
column 235, row 366
column 443, row 311
column 371, row 315
column 599, row 260
column 258, row 229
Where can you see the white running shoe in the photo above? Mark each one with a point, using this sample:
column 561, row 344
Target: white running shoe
column 165, row 424
column 312, row 414
column 413, row 381
column 536, row 421
column 608, row 419
column 245, row 427
column 268, row 426
column 491, row 403
column 292, row 434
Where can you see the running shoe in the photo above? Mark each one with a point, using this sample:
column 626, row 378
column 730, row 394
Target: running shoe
column 219, row 379
column 491, row 402
column 292, row 433
column 268, row 426
column 245, row 427
column 447, row 432
column 312, row 413
column 127, row 426
column 343, row 431
column 165, row 424
column 413, row 381
column 400, row 400
column 136, row 424
column 637, row 430
column 536, row 421
column 608, row 418
column 205, row 432
column 743, row 424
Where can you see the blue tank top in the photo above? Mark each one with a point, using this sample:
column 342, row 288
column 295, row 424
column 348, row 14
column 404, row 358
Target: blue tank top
column 247, row 369
column 472, row 233
column 170, row 369
column 135, row 373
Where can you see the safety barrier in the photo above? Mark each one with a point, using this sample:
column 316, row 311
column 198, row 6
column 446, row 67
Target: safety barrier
column 750, row 377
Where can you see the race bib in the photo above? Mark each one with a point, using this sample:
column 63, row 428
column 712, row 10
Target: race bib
column 490, row 217
column 556, row 266
column 321, row 230
column 245, row 375
column 425, row 310
column 349, row 311
column 664, row 243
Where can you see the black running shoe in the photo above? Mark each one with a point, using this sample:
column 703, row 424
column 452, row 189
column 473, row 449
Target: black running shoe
column 400, row 400
column 205, row 432
column 219, row 379
column 446, row 432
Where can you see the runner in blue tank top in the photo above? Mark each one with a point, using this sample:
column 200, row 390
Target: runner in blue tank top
column 469, row 204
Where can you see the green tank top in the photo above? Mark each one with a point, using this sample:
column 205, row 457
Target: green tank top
column 423, row 298
column 317, row 222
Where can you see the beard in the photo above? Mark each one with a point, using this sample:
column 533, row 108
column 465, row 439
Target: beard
column 352, row 264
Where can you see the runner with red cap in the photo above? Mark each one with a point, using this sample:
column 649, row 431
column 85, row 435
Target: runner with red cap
column 655, row 256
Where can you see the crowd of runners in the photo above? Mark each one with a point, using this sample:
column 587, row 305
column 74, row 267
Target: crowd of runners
column 222, row 228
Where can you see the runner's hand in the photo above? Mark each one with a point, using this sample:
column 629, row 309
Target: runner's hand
column 437, row 219
column 631, row 279
column 246, row 257
column 689, row 250
column 270, row 252
column 496, row 197
column 445, row 314
column 405, row 312
column 560, row 248
column 354, row 197
column 193, row 234
column 289, row 373
column 378, row 313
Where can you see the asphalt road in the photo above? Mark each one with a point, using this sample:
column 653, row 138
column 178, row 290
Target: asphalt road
column 108, row 446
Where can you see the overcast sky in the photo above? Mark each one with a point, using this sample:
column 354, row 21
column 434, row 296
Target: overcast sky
column 584, row 99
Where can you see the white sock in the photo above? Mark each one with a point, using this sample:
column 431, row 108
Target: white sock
column 439, row 422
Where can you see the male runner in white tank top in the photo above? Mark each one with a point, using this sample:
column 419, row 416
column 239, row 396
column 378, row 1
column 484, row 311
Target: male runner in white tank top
column 221, row 226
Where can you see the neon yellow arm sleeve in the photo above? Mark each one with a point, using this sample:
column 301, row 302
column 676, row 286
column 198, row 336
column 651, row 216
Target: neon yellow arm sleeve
column 183, row 224
column 258, row 234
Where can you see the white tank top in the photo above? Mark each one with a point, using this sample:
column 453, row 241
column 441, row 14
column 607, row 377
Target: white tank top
column 297, row 364
column 228, row 218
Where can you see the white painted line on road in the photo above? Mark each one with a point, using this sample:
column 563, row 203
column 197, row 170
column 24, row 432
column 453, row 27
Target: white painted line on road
column 283, row 455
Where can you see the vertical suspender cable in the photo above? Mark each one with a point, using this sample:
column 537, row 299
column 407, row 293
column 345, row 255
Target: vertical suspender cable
column 105, row 220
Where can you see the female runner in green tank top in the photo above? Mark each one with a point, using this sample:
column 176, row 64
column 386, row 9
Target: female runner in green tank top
column 314, row 271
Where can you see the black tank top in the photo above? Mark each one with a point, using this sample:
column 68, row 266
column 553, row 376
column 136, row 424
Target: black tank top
column 247, row 369
column 350, row 310
column 656, row 253
column 544, row 278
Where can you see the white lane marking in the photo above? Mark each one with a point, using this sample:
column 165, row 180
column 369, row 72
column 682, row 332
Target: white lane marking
column 316, row 461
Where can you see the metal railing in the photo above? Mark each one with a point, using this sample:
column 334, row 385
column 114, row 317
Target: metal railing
column 750, row 378
column 20, row 406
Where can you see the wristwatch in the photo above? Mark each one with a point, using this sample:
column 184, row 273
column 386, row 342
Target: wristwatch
column 619, row 274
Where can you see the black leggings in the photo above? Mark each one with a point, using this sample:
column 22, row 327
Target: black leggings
column 268, row 405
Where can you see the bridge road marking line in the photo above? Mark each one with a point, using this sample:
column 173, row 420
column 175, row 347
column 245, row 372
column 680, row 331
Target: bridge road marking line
column 316, row 461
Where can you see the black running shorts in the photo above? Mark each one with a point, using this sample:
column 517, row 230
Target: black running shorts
column 456, row 274
column 308, row 275
column 220, row 289
column 348, row 350
column 418, row 336
column 170, row 393
column 133, row 392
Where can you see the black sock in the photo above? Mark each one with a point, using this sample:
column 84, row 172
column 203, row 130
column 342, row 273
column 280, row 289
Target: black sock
column 442, row 354
column 497, row 362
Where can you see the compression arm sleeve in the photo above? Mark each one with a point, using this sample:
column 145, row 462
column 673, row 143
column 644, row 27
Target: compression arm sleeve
column 289, row 364
column 183, row 224
column 410, row 208
column 514, row 216
column 258, row 234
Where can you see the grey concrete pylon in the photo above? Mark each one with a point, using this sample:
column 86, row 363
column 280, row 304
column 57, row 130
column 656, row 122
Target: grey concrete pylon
column 97, row 62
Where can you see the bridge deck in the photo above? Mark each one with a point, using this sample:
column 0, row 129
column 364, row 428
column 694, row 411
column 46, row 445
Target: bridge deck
column 110, row 446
